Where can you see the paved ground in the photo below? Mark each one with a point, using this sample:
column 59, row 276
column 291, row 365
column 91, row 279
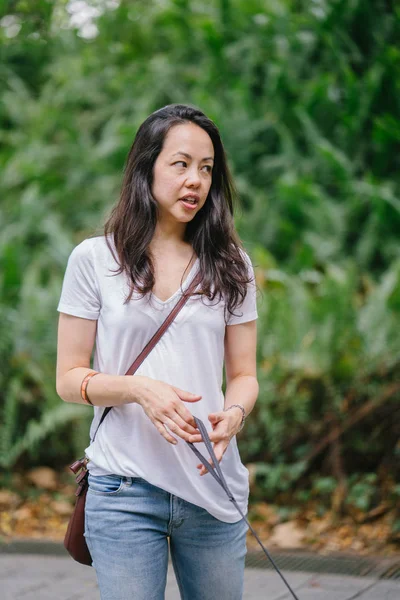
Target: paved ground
column 35, row 577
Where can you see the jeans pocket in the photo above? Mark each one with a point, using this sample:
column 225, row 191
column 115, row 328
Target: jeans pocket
column 105, row 485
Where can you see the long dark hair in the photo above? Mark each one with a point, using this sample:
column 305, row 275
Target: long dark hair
column 211, row 232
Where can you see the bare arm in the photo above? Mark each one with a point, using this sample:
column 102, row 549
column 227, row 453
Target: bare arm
column 240, row 366
column 162, row 403
column 75, row 343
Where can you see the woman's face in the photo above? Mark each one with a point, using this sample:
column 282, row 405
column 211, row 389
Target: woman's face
column 183, row 167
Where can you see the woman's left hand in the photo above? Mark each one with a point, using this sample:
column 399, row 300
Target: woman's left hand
column 225, row 425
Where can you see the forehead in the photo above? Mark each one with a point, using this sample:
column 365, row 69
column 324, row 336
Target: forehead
column 189, row 138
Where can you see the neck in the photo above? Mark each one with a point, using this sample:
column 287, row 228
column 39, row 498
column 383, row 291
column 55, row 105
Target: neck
column 169, row 235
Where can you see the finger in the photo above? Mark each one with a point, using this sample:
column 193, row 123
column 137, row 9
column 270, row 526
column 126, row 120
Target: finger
column 186, row 416
column 186, row 396
column 218, row 455
column 176, row 417
column 203, row 470
column 174, row 427
column 214, row 418
column 215, row 436
column 219, row 450
column 221, row 435
column 164, row 433
column 195, row 438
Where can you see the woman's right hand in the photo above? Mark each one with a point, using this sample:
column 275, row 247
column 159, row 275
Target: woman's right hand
column 164, row 405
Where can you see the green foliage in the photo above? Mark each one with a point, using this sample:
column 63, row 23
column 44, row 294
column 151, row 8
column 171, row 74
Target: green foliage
column 362, row 490
column 306, row 95
column 329, row 357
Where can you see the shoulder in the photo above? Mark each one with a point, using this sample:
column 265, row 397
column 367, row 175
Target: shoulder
column 84, row 248
column 247, row 261
column 243, row 253
column 87, row 256
column 91, row 249
column 246, row 256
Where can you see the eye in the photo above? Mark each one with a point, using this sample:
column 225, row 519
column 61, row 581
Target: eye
column 184, row 163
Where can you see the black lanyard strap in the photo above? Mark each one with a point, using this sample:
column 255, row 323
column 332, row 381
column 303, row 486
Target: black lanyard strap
column 216, row 472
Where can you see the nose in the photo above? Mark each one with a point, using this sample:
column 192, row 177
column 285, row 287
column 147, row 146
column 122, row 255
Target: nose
column 193, row 177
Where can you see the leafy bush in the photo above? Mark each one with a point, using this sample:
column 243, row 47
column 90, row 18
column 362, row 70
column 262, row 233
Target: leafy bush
column 329, row 358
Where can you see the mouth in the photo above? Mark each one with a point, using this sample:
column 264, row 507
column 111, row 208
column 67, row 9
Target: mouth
column 189, row 201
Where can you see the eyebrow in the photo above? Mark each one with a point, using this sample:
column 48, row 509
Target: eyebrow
column 190, row 157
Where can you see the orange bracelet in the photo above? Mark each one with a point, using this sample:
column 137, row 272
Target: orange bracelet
column 84, row 386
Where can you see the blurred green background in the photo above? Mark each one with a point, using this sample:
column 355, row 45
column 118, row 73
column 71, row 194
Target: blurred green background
column 307, row 98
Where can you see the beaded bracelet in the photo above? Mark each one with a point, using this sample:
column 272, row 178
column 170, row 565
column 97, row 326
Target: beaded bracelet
column 243, row 413
column 84, row 386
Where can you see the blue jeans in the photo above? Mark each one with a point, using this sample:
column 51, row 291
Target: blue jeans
column 127, row 525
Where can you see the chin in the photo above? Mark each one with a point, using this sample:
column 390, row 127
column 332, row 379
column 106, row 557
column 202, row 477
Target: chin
column 183, row 215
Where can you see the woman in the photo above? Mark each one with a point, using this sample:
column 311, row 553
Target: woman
column 173, row 220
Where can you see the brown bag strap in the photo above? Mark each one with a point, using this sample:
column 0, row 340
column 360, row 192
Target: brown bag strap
column 156, row 337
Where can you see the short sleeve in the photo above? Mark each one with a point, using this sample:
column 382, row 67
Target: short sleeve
column 80, row 295
column 247, row 311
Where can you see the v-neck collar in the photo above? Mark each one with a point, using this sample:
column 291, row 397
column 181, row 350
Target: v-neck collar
column 182, row 288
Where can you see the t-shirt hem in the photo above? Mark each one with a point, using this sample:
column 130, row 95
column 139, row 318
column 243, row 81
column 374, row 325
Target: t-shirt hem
column 234, row 518
column 77, row 312
column 244, row 318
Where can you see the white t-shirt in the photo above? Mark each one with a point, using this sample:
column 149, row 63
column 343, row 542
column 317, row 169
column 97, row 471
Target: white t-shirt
column 189, row 355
